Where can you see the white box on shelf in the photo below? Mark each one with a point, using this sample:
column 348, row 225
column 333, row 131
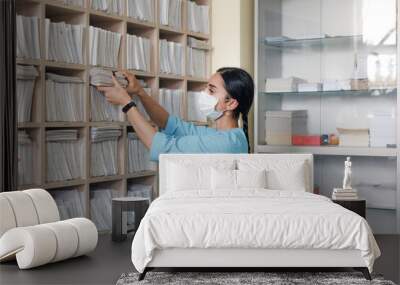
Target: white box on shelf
column 353, row 137
column 288, row 84
column 309, row 87
column 281, row 125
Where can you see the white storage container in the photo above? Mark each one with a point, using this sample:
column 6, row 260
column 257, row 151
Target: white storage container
column 281, row 125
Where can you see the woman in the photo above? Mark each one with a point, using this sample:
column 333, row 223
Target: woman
column 229, row 93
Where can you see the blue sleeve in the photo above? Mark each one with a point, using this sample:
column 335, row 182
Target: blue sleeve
column 163, row 143
column 177, row 127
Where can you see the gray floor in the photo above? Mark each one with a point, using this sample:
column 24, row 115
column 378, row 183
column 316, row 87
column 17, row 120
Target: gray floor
column 109, row 260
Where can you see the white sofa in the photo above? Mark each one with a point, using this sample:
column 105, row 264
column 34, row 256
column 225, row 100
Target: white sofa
column 31, row 231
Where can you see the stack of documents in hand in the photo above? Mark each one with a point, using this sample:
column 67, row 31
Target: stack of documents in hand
column 171, row 100
column 64, row 155
column 64, row 98
column 27, row 37
column 64, row 42
column 70, row 202
column 99, row 39
column 25, row 158
column 198, row 17
column 26, row 76
column 344, row 194
column 77, row 3
column 100, row 205
column 197, row 63
column 171, row 57
column 104, row 154
column 101, row 110
column 142, row 10
column 138, row 53
column 108, row 6
column 170, row 13
column 193, row 102
column 138, row 154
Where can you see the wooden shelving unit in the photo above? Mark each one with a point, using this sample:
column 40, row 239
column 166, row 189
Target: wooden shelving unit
column 86, row 16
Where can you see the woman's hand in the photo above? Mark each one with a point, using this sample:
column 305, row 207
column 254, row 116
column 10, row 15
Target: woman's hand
column 134, row 86
column 116, row 94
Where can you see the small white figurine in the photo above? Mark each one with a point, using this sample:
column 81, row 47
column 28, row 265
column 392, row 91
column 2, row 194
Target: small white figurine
column 347, row 174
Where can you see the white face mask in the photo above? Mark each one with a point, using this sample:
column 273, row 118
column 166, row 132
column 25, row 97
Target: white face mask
column 207, row 105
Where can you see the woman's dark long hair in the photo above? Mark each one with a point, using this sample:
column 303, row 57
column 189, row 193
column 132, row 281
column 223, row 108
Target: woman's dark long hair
column 240, row 86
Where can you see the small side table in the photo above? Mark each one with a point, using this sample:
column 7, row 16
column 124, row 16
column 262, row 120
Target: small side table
column 120, row 208
column 357, row 206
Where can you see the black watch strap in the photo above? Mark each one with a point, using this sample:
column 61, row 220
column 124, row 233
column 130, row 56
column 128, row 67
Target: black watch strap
column 126, row 108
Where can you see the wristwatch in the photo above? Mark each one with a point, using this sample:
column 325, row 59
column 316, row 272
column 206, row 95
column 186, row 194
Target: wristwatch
column 126, row 108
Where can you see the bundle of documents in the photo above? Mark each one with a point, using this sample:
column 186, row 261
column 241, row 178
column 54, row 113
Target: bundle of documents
column 171, row 100
column 25, row 158
column 104, row 154
column 101, row 206
column 138, row 53
column 64, row 98
column 197, row 63
column 353, row 137
column 103, row 77
column 283, row 84
column 138, row 155
column 108, row 6
column 344, row 194
column 27, row 37
column 101, row 110
column 141, row 10
column 64, row 155
column 170, row 12
column 64, row 42
column 70, row 202
column 26, row 77
column 197, row 17
column 171, row 57
column 383, row 129
column 77, row 3
column 198, row 44
column 138, row 190
column 98, row 40
column 194, row 104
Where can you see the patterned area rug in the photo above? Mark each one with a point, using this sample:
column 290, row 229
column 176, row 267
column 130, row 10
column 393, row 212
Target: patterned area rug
column 243, row 278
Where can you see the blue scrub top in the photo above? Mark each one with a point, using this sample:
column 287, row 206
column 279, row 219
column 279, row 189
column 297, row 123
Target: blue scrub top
column 184, row 137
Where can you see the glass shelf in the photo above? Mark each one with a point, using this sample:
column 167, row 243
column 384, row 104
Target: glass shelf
column 369, row 92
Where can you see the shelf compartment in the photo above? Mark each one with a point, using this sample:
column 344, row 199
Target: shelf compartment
column 28, row 156
column 329, row 150
column 71, row 201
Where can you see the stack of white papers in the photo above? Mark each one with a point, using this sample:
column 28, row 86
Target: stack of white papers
column 170, row 12
column 104, row 47
column 25, row 158
column 138, row 154
column 171, row 100
column 64, row 155
column 108, row 6
column 197, row 63
column 288, row 84
column 194, row 104
column 64, row 42
column 197, row 17
column 344, row 194
column 171, row 57
column 138, row 53
column 64, row 98
column 101, row 206
column 138, row 190
column 141, row 9
column 199, row 44
column 70, row 202
column 78, row 3
column 26, row 76
column 104, row 154
column 28, row 37
column 101, row 110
